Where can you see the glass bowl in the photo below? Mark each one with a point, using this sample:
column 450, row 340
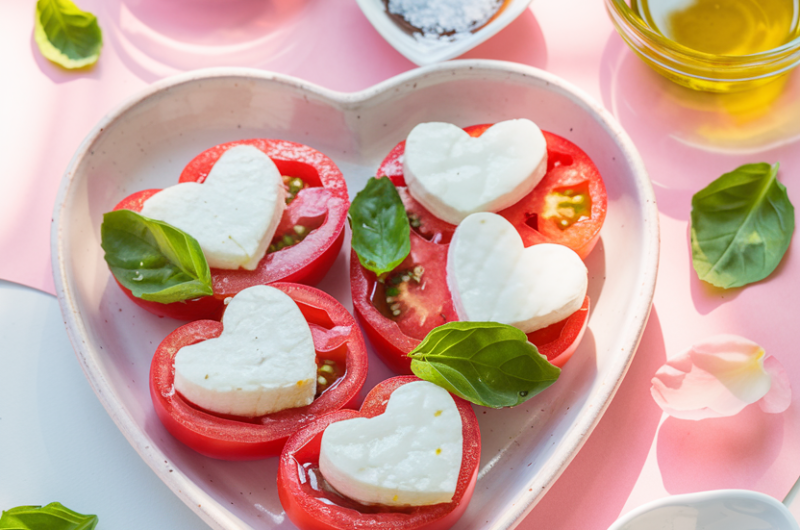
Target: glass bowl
column 698, row 70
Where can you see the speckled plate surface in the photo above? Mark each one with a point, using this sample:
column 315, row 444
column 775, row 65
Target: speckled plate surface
column 147, row 141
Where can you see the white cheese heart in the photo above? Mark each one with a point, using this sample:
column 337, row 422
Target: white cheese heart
column 454, row 175
column 409, row 455
column 264, row 360
column 493, row 277
column 233, row 214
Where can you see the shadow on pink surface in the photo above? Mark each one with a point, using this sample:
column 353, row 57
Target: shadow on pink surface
column 593, row 490
column 522, row 41
column 672, row 125
column 163, row 38
column 718, row 453
column 60, row 75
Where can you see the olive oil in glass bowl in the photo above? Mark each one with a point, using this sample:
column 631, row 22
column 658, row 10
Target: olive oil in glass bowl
column 712, row 45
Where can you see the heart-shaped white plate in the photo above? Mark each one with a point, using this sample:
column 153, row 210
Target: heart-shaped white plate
column 146, row 142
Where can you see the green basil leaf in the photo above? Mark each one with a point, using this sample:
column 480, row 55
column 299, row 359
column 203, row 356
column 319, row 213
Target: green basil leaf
column 153, row 259
column 742, row 224
column 487, row 363
column 66, row 35
column 54, row 516
column 380, row 226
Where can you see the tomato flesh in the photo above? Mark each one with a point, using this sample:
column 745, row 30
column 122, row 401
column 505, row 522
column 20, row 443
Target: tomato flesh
column 567, row 207
column 338, row 343
column 320, row 208
column 311, row 504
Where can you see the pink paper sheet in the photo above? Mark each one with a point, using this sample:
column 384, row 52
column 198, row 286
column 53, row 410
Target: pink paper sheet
column 686, row 140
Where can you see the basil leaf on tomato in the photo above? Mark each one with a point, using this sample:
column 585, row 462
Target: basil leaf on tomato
column 153, row 259
column 381, row 232
column 66, row 35
column 742, row 224
column 487, row 363
column 54, row 516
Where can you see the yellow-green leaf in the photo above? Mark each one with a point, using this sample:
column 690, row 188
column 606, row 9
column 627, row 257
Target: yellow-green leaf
column 66, row 35
column 54, row 516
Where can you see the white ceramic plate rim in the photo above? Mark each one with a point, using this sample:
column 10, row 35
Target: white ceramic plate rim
column 703, row 496
column 209, row 510
column 416, row 52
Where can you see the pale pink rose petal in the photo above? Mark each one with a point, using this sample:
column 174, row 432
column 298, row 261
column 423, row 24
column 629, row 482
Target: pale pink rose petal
column 716, row 377
column 779, row 396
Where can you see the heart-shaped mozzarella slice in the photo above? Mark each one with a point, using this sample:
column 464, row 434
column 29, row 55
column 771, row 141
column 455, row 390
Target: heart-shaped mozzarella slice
column 264, row 360
column 233, row 214
column 454, row 175
column 492, row 277
column 409, row 455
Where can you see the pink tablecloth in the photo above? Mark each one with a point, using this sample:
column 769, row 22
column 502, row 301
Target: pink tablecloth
column 686, row 140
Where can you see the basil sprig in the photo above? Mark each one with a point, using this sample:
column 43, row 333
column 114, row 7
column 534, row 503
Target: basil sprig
column 153, row 259
column 54, row 516
column 487, row 363
column 742, row 224
column 380, row 226
column 66, row 35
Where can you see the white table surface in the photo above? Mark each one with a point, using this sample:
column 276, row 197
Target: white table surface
column 56, row 441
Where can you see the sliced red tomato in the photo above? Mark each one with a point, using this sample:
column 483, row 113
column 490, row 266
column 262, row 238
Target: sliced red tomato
column 567, row 207
column 559, row 341
column 337, row 340
column 311, row 505
column 320, row 207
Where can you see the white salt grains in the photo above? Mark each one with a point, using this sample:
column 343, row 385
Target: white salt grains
column 435, row 18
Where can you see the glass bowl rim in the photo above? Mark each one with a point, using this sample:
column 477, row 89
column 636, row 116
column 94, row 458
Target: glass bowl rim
column 635, row 23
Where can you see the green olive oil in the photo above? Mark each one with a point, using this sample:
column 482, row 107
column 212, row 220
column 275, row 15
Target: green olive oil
column 723, row 27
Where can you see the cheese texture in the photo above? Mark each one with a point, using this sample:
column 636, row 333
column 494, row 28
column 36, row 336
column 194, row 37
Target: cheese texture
column 454, row 175
column 409, row 455
column 233, row 214
column 264, row 360
column 492, row 277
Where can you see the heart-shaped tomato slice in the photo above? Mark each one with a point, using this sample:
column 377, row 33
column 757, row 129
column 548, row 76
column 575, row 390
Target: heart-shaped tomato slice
column 313, row 505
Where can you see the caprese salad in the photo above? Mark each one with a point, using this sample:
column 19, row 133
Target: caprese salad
column 407, row 460
column 244, row 213
column 282, row 356
column 498, row 220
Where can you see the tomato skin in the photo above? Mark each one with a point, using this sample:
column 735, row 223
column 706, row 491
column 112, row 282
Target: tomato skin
column 391, row 342
column 308, row 512
column 559, row 341
column 567, row 166
column 306, row 262
column 335, row 332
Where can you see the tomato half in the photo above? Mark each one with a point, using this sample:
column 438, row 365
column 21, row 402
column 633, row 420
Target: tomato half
column 320, row 207
column 312, row 506
column 567, row 207
column 337, row 339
